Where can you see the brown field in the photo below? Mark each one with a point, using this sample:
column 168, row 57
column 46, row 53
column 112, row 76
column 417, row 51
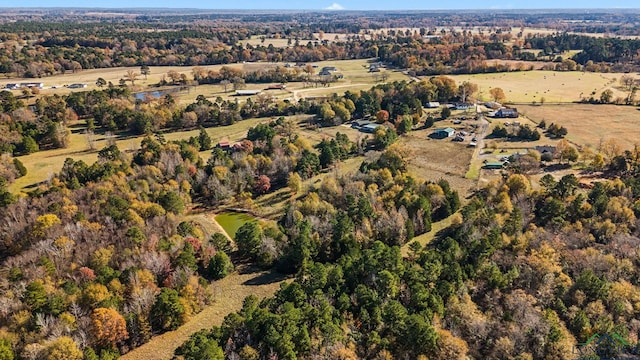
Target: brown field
column 554, row 86
column 435, row 159
column 590, row 124
column 228, row 294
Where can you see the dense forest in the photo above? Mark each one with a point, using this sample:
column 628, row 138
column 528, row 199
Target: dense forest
column 99, row 258
column 434, row 45
column 520, row 273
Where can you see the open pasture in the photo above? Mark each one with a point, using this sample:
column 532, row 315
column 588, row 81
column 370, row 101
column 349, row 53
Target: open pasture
column 588, row 124
column 553, row 86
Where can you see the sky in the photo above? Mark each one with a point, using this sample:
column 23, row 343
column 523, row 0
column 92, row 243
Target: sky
column 329, row 4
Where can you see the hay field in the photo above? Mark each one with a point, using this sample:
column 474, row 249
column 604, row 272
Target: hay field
column 554, row 86
column 590, row 124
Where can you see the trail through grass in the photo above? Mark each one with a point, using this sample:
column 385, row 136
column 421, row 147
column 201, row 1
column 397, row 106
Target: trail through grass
column 229, row 294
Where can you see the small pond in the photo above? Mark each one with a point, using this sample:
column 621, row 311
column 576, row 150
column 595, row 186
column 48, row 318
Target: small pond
column 156, row 94
column 232, row 221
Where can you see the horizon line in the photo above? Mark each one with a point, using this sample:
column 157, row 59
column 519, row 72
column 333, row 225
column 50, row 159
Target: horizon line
column 307, row 10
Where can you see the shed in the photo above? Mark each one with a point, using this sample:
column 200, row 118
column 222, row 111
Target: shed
column 442, row 133
column 247, row 92
column 463, row 106
column 276, row 87
column 433, row 105
column 493, row 165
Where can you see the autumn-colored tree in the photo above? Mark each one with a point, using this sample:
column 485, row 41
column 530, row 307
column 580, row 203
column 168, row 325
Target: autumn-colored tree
column 467, row 90
column 263, row 184
column 518, row 184
column 64, row 347
column 294, row 183
column 108, row 326
column 44, row 222
column 94, row 294
column 497, row 94
column 382, row 116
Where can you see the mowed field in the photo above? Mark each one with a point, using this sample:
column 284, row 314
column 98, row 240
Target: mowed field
column 554, row 86
column 435, row 159
column 590, row 124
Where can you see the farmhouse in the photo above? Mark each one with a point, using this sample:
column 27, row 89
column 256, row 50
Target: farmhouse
column 442, row 133
column 507, row 113
column 360, row 123
column 224, row 145
column 432, row 105
column 247, row 92
column 542, row 149
column 370, row 128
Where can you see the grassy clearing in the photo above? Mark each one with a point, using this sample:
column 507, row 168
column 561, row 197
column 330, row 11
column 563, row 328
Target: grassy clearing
column 590, row 124
column 554, row 86
column 435, row 159
column 427, row 237
column 229, row 294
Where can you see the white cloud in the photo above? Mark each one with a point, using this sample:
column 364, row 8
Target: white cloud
column 335, row 6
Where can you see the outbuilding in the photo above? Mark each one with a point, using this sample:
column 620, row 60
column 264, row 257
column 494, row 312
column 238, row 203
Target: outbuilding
column 247, row 92
column 370, row 128
column 442, row 133
column 432, row 105
column 507, row 113
column 493, row 165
